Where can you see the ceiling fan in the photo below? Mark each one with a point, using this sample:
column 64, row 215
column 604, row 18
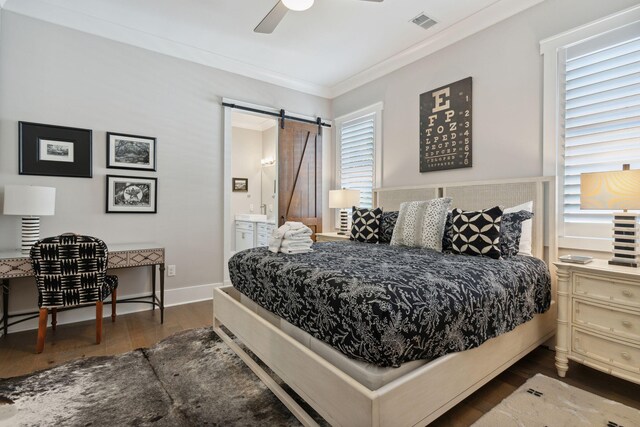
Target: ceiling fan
column 273, row 18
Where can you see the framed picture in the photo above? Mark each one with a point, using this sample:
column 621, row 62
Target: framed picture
column 446, row 127
column 54, row 150
column 131, row 151
column 240, row 184
column 132, row 194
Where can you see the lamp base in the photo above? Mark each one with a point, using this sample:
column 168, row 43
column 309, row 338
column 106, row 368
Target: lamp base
column 344, row 222
column 30, row 233
column 625, row 240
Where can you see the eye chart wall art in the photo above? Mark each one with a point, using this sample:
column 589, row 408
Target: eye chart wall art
column 445, row 127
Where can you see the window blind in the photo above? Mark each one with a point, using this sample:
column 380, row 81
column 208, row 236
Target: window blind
column 357, row 146
column 601, row 118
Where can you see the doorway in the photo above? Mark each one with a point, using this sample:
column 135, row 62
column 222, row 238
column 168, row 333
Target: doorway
column 254, row 175
column 319, row 143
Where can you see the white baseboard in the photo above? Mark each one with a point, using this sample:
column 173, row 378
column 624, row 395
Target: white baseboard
column 172, row 297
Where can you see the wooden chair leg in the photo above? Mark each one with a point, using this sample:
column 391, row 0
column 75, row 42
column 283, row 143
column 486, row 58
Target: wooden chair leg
column 98, row 322
column 114, row 298
column 42, row 329
column 54, row 318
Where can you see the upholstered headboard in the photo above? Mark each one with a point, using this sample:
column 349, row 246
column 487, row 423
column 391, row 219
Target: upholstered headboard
column 480, row 195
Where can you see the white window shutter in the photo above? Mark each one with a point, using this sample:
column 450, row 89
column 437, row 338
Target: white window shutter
column 601, row 118
column 357, row 154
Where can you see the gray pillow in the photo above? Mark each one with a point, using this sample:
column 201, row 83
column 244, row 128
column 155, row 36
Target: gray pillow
column 421, row 224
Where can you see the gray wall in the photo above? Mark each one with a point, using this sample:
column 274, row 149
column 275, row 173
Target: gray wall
column 506, row 67
column 50, row 74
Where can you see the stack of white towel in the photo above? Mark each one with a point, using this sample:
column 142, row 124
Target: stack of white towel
column 291, row 238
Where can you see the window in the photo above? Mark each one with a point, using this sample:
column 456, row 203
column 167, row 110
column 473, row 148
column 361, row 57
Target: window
column 591, row 117
column 358, row 154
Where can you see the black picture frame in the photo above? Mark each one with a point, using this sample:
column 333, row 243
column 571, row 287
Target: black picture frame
column 240, row 184
column 141, row 152
column 136, row 200
column 55, row 150
column 446, row 119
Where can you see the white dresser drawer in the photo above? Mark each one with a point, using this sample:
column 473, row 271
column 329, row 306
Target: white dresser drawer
column 614, row 353
column 607, row 319
column 607, row 289
column 245, row 225
column 265, row 227
column 263, row 239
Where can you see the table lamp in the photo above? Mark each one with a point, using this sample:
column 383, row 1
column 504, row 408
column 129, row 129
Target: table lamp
column 31, row 202
column 344, row 199
column 616, row 190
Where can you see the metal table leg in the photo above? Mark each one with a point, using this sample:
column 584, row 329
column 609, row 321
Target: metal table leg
column 4, row 283
column 153, row 285
column 162, row 293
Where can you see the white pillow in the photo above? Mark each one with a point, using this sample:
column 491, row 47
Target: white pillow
column 421, row 224
column 526, row 237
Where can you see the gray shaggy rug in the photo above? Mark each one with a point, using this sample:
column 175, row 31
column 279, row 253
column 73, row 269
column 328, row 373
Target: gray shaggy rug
column 189, row 379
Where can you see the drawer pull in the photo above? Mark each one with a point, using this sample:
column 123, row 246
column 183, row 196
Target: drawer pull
column 626, row 323
column 625, row 355
column 627, row 293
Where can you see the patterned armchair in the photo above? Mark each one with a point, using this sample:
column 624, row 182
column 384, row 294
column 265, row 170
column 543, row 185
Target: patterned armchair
column 70, row 270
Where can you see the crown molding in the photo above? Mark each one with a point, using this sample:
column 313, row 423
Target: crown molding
column 242, row 124
column 490, row 15
column 44, row 11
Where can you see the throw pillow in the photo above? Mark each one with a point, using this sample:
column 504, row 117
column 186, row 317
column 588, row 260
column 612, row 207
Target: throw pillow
column 387, row 224
column 526, row 237
column 421, row 224
column 511, row 230
column 447, row 237
column 365, row 225
column 477, row 232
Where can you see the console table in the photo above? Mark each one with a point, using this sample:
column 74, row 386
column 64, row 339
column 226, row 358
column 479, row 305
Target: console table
column 14, row 264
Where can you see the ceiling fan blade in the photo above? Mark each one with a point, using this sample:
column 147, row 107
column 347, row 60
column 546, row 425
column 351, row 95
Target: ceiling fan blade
column 273, row 18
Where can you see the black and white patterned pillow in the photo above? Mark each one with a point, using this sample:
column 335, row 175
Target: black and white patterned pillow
column 511, row 231
column 477, row 232
column 447, row 236
column 387, row 224
column 365, row 226
column 421, row 224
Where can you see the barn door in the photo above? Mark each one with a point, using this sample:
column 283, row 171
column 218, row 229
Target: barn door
column 300, row 175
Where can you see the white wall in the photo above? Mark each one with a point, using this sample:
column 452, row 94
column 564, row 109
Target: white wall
column 245, row 163
column 506, row 67
column 50, row 74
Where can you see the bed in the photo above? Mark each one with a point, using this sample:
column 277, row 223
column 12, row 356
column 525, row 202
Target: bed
column 356, row 373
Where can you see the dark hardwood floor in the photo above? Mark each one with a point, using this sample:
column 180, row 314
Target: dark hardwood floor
column 143, row 329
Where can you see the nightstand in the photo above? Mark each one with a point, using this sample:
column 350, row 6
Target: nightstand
column 599, row 318
column 331, row 237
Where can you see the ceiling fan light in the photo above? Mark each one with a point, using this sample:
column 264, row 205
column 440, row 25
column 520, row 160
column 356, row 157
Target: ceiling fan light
column 298, row 5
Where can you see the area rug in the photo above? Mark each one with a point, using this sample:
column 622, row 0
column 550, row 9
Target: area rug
column 189, row 379
column 544, row 401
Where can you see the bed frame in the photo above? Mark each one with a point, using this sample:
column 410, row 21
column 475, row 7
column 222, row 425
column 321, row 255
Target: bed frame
column 422, row 395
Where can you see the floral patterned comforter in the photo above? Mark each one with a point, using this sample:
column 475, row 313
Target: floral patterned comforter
column 387, row 304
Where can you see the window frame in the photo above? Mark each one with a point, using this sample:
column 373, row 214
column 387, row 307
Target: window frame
column 553, row 51
column 375, row 111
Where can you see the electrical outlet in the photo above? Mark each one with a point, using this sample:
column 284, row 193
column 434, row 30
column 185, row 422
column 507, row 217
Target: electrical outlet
column 251, row 207
column 171, row 270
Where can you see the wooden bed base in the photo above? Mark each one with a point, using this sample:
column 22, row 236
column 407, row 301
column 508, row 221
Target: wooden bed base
column 422, row 395
column 416, row 398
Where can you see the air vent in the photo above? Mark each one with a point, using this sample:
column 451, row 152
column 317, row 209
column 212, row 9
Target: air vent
column 424, row 21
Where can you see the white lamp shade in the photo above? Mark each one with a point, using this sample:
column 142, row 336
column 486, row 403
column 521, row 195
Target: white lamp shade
column 340, row 199
column 615, row 190
column 29, row 200
column 298, row 5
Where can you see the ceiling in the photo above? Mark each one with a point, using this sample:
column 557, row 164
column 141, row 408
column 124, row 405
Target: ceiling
column 252, row 121
column 327, row 50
